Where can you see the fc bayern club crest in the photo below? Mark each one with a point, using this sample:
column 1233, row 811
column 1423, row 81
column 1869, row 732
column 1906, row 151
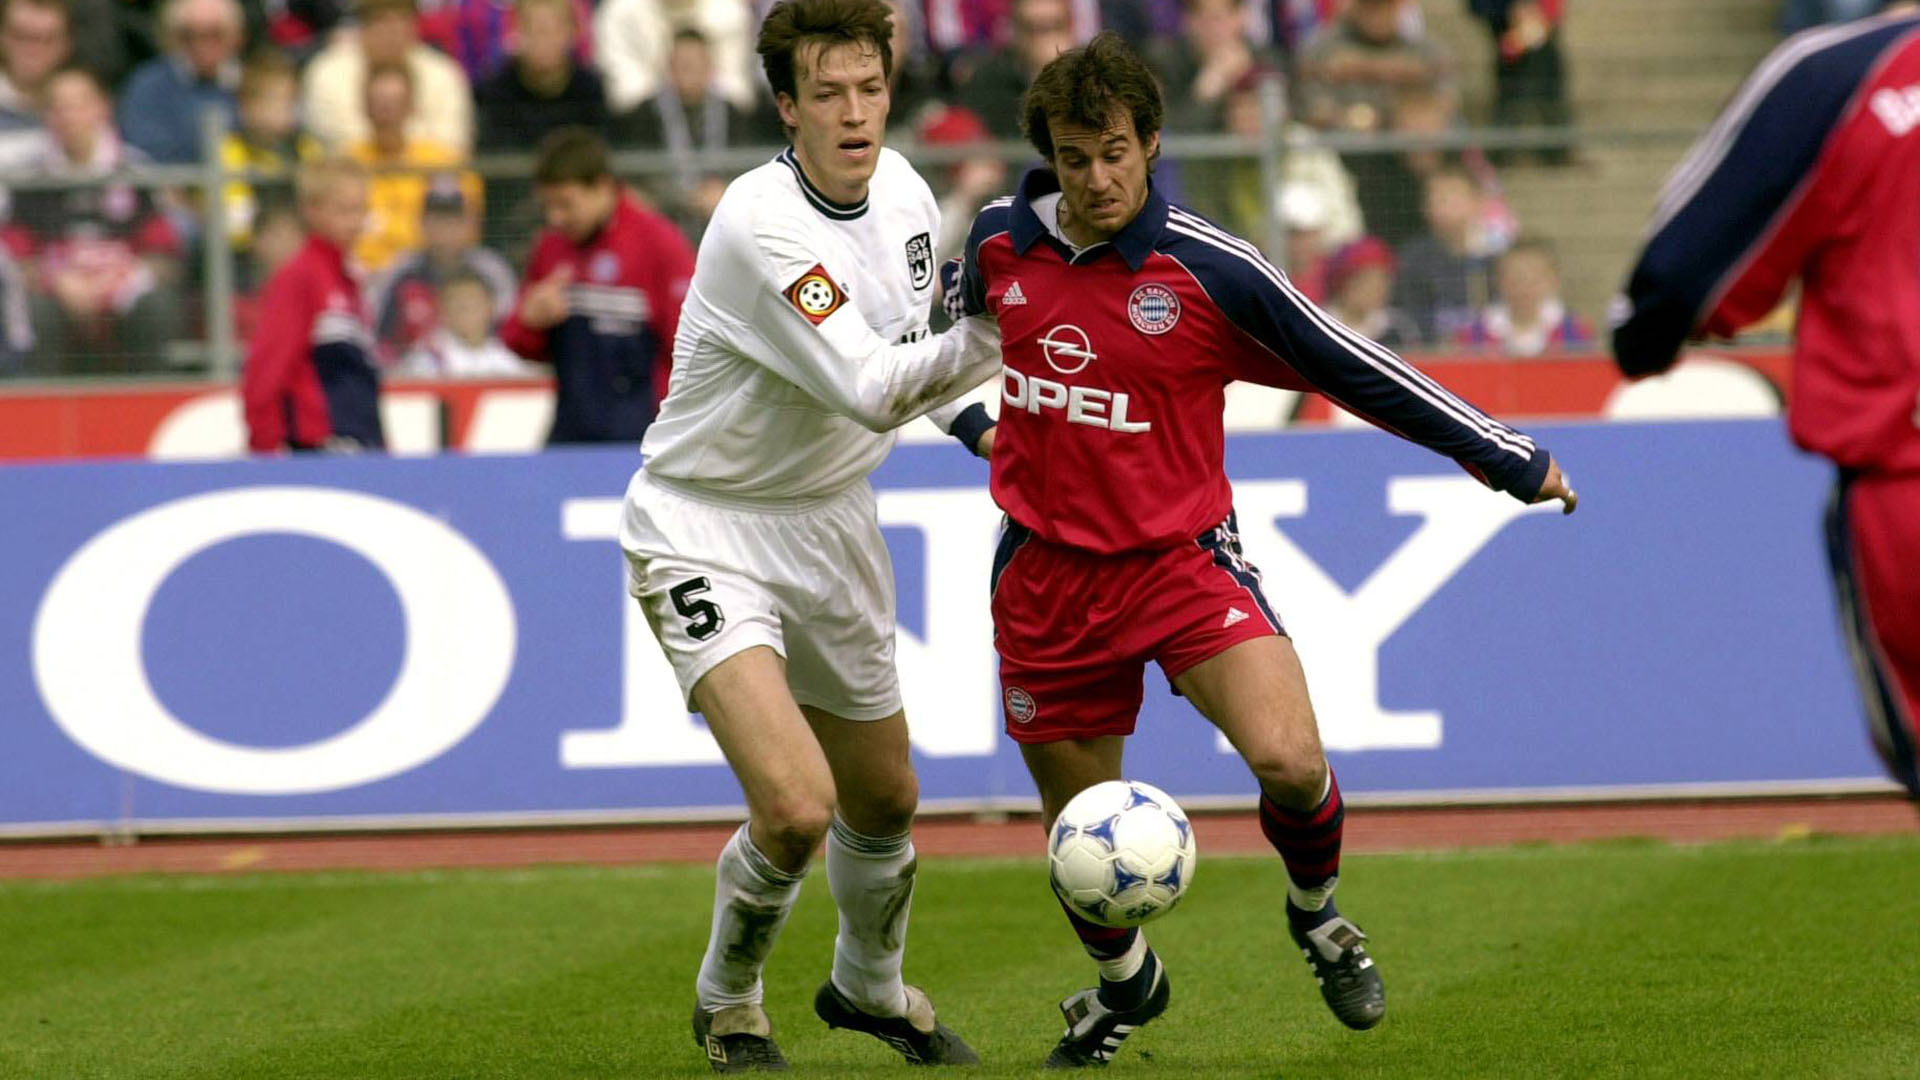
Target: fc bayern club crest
column 1020, row 705
column 920, row 260
column 1153, row 308
column 605, row 266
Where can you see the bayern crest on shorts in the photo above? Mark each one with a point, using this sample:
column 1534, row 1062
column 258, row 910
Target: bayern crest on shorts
column 1153, row 308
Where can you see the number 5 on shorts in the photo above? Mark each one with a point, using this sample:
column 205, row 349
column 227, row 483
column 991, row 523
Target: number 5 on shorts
column 703, row 616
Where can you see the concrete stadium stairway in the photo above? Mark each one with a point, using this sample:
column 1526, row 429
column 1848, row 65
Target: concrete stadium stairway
column 1659, row 67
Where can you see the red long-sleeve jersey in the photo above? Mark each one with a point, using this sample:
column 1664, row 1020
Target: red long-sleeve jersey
column 309, row 373
column 1813, row 172
column 1117, row 360
column 612, row 355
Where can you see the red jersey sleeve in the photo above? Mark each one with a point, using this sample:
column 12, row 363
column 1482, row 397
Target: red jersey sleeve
column 279, row 382
column 524, row 340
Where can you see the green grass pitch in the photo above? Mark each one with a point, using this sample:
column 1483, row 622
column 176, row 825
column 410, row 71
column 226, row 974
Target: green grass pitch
column 1611, row 960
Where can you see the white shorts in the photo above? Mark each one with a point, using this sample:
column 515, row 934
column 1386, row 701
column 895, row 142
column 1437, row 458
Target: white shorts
column 813, row 583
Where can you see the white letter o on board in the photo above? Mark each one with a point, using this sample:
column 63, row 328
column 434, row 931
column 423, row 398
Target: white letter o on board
column 460, row 637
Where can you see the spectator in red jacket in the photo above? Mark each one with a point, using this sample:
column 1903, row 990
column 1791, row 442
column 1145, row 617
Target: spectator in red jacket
column 602, row 295
column 309, row 381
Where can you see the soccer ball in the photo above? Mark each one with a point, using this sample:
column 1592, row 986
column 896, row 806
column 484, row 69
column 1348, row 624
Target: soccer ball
column 1121, row 853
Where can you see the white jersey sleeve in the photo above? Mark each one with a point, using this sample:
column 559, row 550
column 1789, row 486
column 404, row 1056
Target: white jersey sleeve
column 823, row 344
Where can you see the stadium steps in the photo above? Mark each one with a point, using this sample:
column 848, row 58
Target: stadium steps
column 1651, row 66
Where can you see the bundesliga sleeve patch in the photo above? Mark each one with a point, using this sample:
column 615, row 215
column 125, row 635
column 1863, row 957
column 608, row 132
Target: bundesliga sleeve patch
column 815, row 295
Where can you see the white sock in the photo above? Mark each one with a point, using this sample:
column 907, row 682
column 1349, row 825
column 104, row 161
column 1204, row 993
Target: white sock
column 872, row 882
column 751, row 900
column 1127, row 964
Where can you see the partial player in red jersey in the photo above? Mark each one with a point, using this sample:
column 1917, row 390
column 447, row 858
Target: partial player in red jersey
column 1813, row 173
column 1122, row 319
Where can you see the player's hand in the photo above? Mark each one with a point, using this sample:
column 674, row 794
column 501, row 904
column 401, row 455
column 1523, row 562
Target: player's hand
column 984, row 447
column 545, row 304
column 1556, row 487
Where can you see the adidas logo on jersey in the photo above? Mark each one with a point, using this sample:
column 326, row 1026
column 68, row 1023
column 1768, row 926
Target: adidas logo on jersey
column 1234, row 617
column 1013, row 296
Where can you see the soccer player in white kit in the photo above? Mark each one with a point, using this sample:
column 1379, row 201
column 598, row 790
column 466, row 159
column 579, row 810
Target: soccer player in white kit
column 752, row 539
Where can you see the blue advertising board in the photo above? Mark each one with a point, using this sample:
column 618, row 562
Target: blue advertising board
column 336, row 640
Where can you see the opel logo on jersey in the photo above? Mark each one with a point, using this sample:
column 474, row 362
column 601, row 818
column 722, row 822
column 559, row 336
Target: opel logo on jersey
column 1153, row 309
column 1067, row 349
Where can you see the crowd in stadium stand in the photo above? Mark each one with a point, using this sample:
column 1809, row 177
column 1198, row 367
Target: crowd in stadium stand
column 1417, row 247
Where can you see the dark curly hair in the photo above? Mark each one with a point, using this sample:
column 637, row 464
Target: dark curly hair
column 1086, row 86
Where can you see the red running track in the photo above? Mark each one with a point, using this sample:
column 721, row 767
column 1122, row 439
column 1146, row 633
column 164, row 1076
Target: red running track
column 1372, row 829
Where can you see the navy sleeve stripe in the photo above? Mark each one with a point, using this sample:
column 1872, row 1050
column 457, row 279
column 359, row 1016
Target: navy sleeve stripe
column 1711, row 151
column 1380, row 359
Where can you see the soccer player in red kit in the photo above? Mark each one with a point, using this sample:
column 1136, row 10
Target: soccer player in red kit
column 1122, row 318
column 1813, row 173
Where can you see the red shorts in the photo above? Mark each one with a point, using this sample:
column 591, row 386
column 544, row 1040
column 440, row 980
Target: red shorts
column 1075, row 628
column 1873, row 530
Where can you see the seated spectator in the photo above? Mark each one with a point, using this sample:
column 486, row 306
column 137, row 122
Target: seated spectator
column 1445, row 275
column 1212, row 57
column 334, row 95
column 268, row 143
column 1352, row 70
column 404, row 300
column 162, row 105
column 309, row 382
column 543, row 86
column 995, row 89
column 1530, row 82
column 106, row 260
column 34, row 43
column 967, row 185
column 1529, row 319
column 483, row 35
column 689, row 114
column 633, row 37
column 464, row 345
column 402, row 165
column 1359, row 283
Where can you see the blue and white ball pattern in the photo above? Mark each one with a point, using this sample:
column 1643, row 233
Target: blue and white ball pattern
column 1121, row 853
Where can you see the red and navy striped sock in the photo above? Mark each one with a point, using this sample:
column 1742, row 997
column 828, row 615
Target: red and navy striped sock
column 1110, row 948
column 1309, row 843
column 1103, row 943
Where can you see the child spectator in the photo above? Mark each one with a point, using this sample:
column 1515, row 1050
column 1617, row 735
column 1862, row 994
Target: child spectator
column 543, row 86
column 1445, row 274
column 105, row 258
column 35, row 42
column 309, row 382
column 269, row 143
column 464, row 346
column 602, row 295
column 1359, row 282
column 405, row 300
column 278, row 236
column 403, row 167
column 1529, row 318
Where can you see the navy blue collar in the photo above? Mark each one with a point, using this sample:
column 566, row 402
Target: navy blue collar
column 1134, row 243
column 838, row 211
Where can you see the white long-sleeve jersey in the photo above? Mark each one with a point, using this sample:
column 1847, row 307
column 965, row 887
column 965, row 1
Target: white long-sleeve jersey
column 803, row 341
